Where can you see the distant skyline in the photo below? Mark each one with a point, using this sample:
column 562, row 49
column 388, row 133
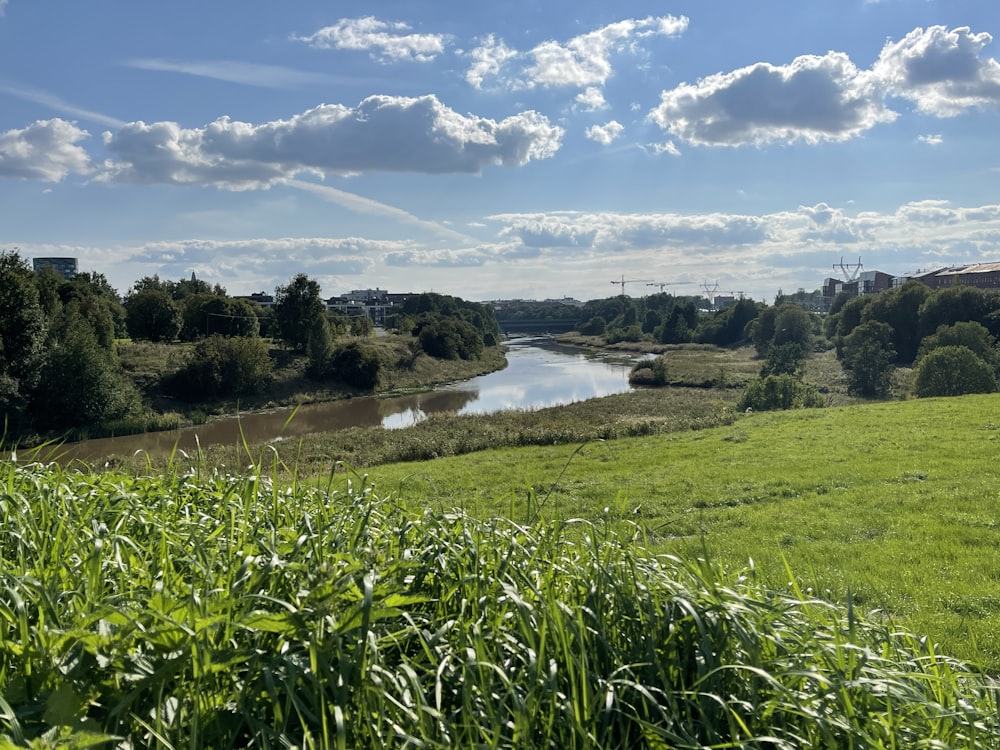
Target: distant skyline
column 535, row 150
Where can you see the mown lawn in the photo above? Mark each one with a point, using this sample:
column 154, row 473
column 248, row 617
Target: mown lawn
column 895, row 505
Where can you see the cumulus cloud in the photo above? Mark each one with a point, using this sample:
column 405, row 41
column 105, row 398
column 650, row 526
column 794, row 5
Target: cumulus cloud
column 931, row 139
column 585, row 60
column 488, row 60
column 383, row 40
column 605, row 134
column 812, row 99
column 591, row 99
column 383, row 133
column 468, row 258
column 941, row 71
column 45, row 150
column 613, row 232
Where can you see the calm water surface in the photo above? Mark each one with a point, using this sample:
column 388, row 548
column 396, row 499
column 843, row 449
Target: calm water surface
column 539, row 374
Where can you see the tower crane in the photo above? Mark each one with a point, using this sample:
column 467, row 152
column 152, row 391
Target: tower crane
column 663, row 284
column 625, row 281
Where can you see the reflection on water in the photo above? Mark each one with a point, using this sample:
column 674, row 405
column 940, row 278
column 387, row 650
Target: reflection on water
column 538, row 374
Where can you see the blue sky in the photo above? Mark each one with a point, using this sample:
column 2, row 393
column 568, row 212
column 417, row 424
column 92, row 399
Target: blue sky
column 494, row 150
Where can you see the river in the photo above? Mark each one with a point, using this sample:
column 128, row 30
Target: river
column 539, row 373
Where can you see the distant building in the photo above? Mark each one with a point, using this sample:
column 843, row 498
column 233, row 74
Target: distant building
column 261, row 298
column 65, row 267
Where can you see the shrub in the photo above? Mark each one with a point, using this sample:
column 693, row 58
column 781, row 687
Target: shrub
column 356, row 365
column 953, row 371
column 222, row 366
column 775, row 392
column 868, row 356
column 649, row 372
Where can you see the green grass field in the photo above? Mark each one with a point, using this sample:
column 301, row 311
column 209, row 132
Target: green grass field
column 897, row 503
column 203, row 610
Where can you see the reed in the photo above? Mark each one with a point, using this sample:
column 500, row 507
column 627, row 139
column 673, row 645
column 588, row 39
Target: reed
column 197, row 608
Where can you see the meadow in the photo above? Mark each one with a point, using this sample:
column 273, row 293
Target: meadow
column 205, row 610
column 652, row 570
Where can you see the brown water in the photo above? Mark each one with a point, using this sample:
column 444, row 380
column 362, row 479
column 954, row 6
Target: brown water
column 538, row 374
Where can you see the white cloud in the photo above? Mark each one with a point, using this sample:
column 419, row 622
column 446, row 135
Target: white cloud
column 591, row 99
column 234, row 71
column 931, row 139
column 813, row 99
column 360, row 204
column 383, row 133
column 606, row 133
column 488, row 61
column 45, row 150
column 3, row 5
column 383, row 40
column 585, row 60
column 941, row 71
column 668, row 147
column 58, row 104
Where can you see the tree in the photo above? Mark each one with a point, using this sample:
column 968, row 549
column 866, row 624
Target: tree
column 23, row 329
column 969, row 334
column 206, row 314
column 868, row 357
column 152, row 316
column 900, row 309
column 953, row 371
column 80, row 383
column 952, row 305
column 297, row 305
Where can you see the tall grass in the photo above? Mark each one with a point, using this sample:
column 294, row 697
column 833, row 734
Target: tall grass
column 199, row 609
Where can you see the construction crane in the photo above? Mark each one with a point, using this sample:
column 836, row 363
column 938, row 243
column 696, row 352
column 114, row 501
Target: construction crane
column 663, row 284
column 625, row 281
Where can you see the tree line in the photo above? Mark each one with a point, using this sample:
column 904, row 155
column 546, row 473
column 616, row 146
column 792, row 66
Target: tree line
column 59, row 342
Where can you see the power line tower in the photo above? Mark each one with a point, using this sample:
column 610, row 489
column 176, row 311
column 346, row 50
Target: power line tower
column 710, row 290
column 625, row 281
column 849, row 270
column 662, row 284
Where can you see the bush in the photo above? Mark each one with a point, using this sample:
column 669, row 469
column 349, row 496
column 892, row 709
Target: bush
column 222, row 367
column 953, row 371
column 356, row 365
column 776, row 392
column 648, row 372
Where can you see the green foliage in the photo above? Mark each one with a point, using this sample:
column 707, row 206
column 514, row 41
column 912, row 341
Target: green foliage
column 23, row 328
column 650, row 372
column 222, row 367
column 973, row 336
column 208, row 314
column 729, row 326
column 849, row 316
column 595, row 326
column 899, row 308
column 152, row 316
column 775, row 392
column 448, row 337
column 868, row 357
column 630, row 333
column 80, row 382
column 952, row 305
column 953, row 371
column 228, row 611
column 777, row 326
column 297, row 305
column 357, row 365
column 784, row 359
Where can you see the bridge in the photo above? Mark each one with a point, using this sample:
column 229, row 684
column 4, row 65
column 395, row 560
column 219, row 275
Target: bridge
column 537, row 325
